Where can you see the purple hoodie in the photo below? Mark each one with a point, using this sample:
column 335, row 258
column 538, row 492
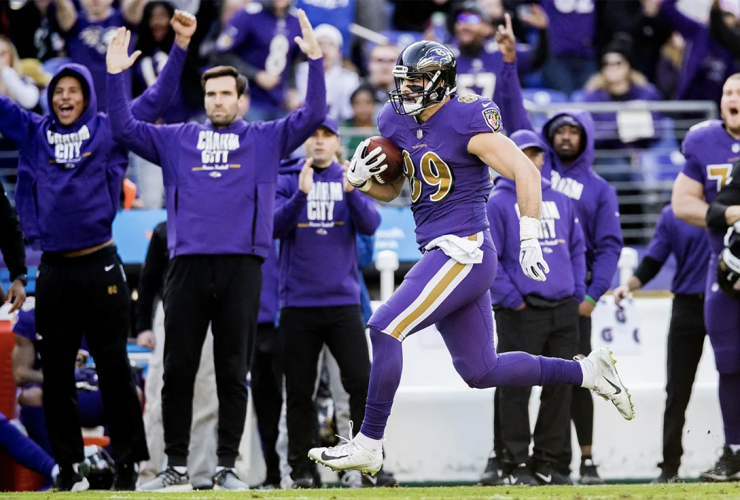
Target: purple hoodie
column 270, row 277
column 595, row 199
column 561, row 238
column 572, row 28
column 706, row 63
column 70, row 178
column 318, row 244
column 219, row 182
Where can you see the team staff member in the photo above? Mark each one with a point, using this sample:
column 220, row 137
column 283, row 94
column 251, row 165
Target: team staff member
column 220, row 191
column 70, row 174
column 686, row 332
column 537, row 317
column 317, row 219
column 569, row 136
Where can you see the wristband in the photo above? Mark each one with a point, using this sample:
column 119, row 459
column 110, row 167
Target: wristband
column 588, row 298
column 529, row 228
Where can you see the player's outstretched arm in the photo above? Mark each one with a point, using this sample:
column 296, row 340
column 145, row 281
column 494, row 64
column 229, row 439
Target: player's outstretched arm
column 688, row 201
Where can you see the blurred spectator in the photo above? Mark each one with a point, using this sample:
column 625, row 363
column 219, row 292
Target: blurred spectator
column 725, row 26
column 572, row 28
column 413, row 15
column 228, row 9
column 259, row 42
column 479, row 59
column 706, row 63
column 363, row 116
column 340, row 82
column 35, row 31
column 89, row 31
column 383, row 58
column 668, row 69
column 332, row 12
column 12, row 84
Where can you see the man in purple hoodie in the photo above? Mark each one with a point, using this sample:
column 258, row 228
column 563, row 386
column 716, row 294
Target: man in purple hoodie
column 711, row 148
column 448, row 143
column 317, row 219
column 535, row 317
column 219, row 181
column 569, row 136
column 70, row 174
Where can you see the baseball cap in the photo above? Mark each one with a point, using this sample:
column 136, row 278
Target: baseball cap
column 527, row 139
column 331, row 125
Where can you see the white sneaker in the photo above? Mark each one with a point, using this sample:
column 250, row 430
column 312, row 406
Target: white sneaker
column 350, row 455
column 606, row 382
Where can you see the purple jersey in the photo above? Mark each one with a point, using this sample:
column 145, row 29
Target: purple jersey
column 266, row 42
column 478, row 73
column 710, row 153
column 88, row 41
column 449, row 186
column 572, row 27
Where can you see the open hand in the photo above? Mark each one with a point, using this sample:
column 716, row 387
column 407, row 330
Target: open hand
column 117, row 58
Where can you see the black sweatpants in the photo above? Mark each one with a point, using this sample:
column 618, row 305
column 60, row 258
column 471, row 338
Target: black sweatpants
column 685, row 344
column 549, row 332
column 223, row 290
column 304, row 331
column 267, row 391
column 97, row 283
column 582, row 403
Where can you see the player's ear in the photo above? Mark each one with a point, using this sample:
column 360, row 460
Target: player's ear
column 243, row 104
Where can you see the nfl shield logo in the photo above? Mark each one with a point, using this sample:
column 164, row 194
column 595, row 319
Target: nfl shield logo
column 493, row 118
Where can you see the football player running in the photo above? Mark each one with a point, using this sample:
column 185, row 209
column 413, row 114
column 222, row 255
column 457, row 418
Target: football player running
column 448, row 143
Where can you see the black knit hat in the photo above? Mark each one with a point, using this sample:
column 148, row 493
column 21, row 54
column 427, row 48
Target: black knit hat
column 621, row 44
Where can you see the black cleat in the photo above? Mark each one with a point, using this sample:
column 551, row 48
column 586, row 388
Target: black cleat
column 383, row 479
column 668, row 475
column 492, row 475
column 303, row 480
column 126, row 477
column 521, row 476
column 726, row 469
column 589, row 473
column 69, row 479
column 546, row 474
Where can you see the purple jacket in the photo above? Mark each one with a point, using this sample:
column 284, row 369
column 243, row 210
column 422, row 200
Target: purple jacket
column 706, row 63
column 318, row 244
column 561, row 238
column 571, row 31
column 595, row 199
column 70, row 178
column 270, row 277
column 219, row 182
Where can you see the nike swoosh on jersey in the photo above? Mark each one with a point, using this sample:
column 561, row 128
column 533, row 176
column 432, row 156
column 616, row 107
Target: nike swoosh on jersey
column 324, row 456
column 487, row 104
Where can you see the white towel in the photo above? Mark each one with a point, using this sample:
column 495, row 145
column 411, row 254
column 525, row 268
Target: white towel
column 462, row 250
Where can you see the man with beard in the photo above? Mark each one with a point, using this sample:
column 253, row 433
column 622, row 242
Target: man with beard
column 711, row 148
column 569, row 136
column 219, row 180
column 479, row 59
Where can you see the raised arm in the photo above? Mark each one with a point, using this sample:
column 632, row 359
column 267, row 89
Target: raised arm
column 513, row 114
column 66, row 14
column 156, row 99
column 727, row 36
column 16, row 123
column 680, row 21
column 133, row 11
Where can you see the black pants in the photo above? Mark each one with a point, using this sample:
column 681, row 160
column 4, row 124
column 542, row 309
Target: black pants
column 223, row 290
column 267, row 391
column 304, row 331
column 582, row 403
column 95, row 282
column 549, row 332
column 685, row 344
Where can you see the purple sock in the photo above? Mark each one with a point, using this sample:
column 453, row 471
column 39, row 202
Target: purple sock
column 729, row 402
column 23, row 449
column 385, row 377
column 556, row 371
column 35, row 423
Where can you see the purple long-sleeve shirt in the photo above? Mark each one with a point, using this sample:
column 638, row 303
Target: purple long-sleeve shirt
column 561, row 238
column 595, row 199
column 318, row 238
column 219, row 181
column 572, row 27
column 70, row 177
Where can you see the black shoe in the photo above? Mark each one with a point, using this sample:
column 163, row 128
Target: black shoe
column 546, row 474
column 383, row 479
column 521, row 476
column 70, row 480
column 492, row 475
column 668, row 475
column 727, row 468
column 302, row 479
column 589, row 474
column 126, row 477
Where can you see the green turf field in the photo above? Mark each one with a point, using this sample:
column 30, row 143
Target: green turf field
column 609, row 492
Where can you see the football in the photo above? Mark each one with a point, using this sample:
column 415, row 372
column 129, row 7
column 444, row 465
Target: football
column 393, row 158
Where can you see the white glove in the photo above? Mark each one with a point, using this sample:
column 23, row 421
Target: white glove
column 363, row 168
column 531, row 259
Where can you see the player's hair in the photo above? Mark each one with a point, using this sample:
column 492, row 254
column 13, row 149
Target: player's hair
column 734, row 76
column 219, row 71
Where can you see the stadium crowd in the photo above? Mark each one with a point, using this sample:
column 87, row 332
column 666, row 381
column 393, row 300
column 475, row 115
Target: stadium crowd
column 320, row 92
